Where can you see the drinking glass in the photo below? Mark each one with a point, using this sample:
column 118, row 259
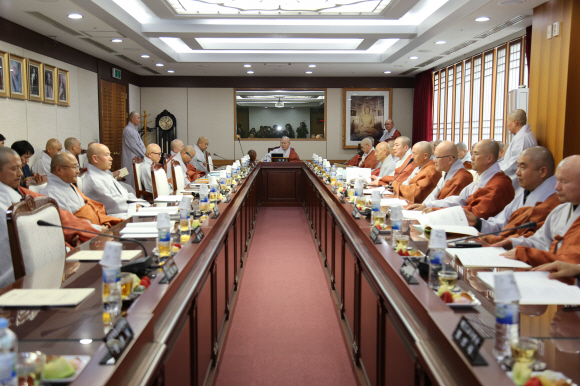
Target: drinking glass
column 30, row 367
column 126, row 284
column 448, row 278
column 402, row 241
column 379, row 218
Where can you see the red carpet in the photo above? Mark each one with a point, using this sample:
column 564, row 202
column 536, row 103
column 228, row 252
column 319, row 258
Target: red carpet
column 284, row 330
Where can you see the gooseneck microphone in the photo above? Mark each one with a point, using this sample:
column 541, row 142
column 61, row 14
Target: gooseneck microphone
column 408, row 163
column 137, row 265
column 531, row 224
column 220, row 156
column 240, row 142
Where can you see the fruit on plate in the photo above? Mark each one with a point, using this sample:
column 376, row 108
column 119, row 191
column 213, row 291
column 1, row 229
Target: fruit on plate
column 521, row 373
column 136, row 280
column 551, row 378
column 446, row 297
column 145, row 281
column 533, row 382
column 442, row 289
column 194, row 224
column 58, row 368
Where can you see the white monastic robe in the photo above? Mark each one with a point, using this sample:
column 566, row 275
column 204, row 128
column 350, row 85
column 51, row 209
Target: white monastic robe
column 145, row 175
column 524, row 139
column 8, row 197
column 199, row 161
column 387, row 167
column 132, row 147
column 388, row 134
column 400, row 161
column 446, row 176
column 540, row 194
column 364, row 156
column 183, row 169
column 557, row 223
column 42, row 166
column 278, row 150
column 102, row 187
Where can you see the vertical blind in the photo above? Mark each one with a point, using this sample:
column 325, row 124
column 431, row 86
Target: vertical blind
column 470, row 97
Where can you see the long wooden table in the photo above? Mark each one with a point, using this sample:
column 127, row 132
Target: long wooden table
column 397, row 334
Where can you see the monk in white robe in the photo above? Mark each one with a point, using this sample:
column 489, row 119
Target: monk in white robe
column 42, row 166
column 176, row 146
column 386, row 163
column 152, row 157
column 464, row 154
column 402, row 154
column 132, row 145
column 101, row 186
column 285, row 150
column 199, row 161
column 184, row 157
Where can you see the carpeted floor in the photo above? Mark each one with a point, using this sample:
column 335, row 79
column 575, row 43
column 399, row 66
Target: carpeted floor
column 284, row 330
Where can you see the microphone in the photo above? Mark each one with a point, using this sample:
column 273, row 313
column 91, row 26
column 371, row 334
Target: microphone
column 408, row 163
column 137, row 265
column 220, row 156
column 531, row 224
column 240, row 142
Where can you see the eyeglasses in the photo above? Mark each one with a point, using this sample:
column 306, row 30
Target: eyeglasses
column 444, row 156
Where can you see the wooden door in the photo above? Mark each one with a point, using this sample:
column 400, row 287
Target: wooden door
column 113, row 118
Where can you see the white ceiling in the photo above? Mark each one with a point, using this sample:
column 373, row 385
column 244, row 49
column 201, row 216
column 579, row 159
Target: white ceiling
column 341, row 45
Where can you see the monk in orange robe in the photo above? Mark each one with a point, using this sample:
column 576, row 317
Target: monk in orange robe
column 456, row 184
column 401, row 150
column 422, row 180
column 368, row 159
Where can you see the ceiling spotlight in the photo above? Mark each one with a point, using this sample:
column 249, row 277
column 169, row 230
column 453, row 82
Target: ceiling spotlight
column 440, row 42
column 116, row 40
column 145, row 56
column 160, row 64
column 75, row 16
column 483, row 18
column 312, row 65
column 387, row 72
column 247, row 65
column 250, row 72
column 309, row 72
column 413, row 57
column 170, row 71
column 85, row 341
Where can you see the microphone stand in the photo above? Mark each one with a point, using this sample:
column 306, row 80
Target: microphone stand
column 531, row 224
column 390, row 185
column 240, row 142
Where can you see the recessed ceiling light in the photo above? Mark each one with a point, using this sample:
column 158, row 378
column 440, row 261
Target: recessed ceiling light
column 85, row 341
column 250, row 72
column 170, row 71
column 312, row 65
column 413, row 57
column 75, row 16
column 309, row 72
column 145, row 56
column 440, row 42
column 387, row 72
column 116, row 40
column 160, row 64
column 247, row 65
column 483, row 18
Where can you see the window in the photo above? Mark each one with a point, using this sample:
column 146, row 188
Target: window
column 470, row 97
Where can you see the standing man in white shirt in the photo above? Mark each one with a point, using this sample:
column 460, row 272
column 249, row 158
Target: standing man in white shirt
column 132, row 145
column 523, row 139
column 42, row 166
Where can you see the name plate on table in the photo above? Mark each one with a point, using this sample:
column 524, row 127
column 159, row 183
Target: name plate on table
column 216, row 212
column 375, row 235
column 334, row 189
column 279, row 159
column 117, row 340
column 170, row 270
column 342, row 198
column 198, row 235
column 469, row 341
column 355, row 214
column 408, row 269
column 227, row 197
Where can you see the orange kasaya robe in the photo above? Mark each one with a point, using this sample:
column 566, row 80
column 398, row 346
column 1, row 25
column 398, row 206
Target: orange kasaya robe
column 68, row 220
column 404, row 175
column 95, row 212
column 370, row 161
column 193, row 174
column 537, row 213
column 492, row 198
column 354, row 161
column 419, row 186
column 395, row 135
column 455, row 185
column 467, row 165
column 568, row 251
column 293, row 156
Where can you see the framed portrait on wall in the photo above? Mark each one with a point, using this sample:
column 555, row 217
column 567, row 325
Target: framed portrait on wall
column 49, row 78
column 18, row 77
column 4, row 74
column 63, row 88
column 364, row 113
column 35, row 81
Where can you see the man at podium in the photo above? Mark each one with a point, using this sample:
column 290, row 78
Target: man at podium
column 285, row 150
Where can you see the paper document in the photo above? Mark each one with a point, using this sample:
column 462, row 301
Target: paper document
column 447, row 216
column 123, row 172
column 485, row 258
column 536, row 288
column 145, row 224
column 462, row 230
column 412, row 214
column 158, row 209
column 139, row 235
column 138, row 230
column 171, row 198
column 97, row 255
column 355, row 172
column 393, row 201
column 45, row 297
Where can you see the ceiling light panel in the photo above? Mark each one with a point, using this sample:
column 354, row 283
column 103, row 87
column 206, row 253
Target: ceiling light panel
column 279, row 7
column 277, row 44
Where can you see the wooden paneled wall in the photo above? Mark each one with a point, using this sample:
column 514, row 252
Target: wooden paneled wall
column 554, row 107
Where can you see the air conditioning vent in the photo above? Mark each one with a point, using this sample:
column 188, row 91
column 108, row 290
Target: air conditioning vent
column 458, row 47
column 433, row 59
column 54, row 23
column 99, row 45
column 129, row 60
column 498, row 28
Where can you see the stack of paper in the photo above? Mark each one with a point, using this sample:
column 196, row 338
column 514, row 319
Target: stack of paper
column 141, row 230
column 412, row 214
column 536, row 288
column 97, row 255
column 452, row 220
column 355, row 172
column 393, row 201
column 45, row 297
column 485, row 258
column 154, row 211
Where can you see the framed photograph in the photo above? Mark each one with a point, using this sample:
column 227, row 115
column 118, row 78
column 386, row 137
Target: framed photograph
column 369, row 108
column 35, row 81
column 49, row 78
column 4, row 74
column 63, row 88
column 18, row 77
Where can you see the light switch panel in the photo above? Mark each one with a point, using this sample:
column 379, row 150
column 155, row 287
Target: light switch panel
column 549, row 32
column 556, row 29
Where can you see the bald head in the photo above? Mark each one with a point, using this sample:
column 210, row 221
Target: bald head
column 402, row 144
column 382, row 151
column 447, row 148
column 60, row 159
column 65, row 166
column 184, row 153
column 176, row 145
column 71, row 142
column 485, row 154
column 461, row 146
column 568, row 177
column 421, row 153
column 202, row 143
column 535, row 165
column 153, row 152
column 518, row 115
column 53, row 146
column 540, row 156
column 445, row 156
column 100, row 156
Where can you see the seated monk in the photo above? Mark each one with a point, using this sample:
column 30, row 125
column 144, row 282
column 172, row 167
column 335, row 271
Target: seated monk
column 559, row 237
column 11, row 193
column 184, row 158
column 355, row 160
column 368, row 159
column 422, row 180
column 464, row 155
column 533, row 203
column 64, row 169
column 456, row 176
column 486, row 197
column 386, row 163
column 285, row 150
column 402, row 151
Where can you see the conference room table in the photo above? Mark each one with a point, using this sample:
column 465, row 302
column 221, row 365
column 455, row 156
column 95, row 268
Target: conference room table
column 396, row 333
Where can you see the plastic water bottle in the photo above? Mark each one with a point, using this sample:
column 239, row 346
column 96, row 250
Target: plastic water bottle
column 376, row 201
column 437, row 245
column 8, row 350
column 507, row 328
column 396, row 223
column 163, row 236
column 333, row 175
column 204, row 196
column 358, row 186
column 111, row 264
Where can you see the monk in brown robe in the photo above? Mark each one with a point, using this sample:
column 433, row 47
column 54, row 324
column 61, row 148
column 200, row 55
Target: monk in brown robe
column 422, row 180
column 369, row 158
column 401, row 150
column 558, row 239
column 355, row 160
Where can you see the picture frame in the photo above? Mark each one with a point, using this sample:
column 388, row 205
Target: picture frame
column 49, row 77
column 35, row 81
column 18, row 77
column 4, row 75
column 368, row 109
column 63, row 88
